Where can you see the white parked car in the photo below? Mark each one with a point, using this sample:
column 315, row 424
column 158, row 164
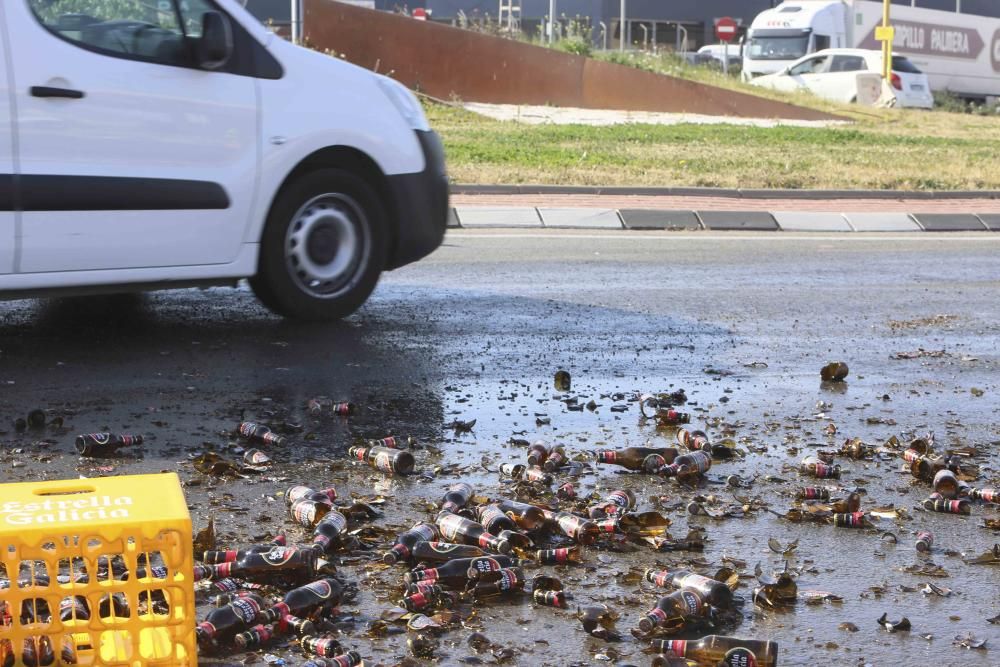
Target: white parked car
column 164, row 143
column 833, row 74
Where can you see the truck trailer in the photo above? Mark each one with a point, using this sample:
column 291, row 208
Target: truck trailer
column 959, row 52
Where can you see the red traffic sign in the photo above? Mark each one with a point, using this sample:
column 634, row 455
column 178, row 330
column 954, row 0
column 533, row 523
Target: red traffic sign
column 420, row 13
column 725, row 29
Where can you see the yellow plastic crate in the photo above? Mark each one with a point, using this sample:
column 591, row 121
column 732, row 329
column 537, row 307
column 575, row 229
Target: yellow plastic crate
column 56, row 542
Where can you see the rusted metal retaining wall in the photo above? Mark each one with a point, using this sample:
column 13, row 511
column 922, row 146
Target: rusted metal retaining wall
column 447, row 62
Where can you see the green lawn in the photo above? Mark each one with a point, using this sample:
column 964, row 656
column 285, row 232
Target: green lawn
column 882, row 149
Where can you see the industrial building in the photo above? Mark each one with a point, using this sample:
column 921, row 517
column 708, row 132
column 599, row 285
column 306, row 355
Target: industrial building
column 678, row 24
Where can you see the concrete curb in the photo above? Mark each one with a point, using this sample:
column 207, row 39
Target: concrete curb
column 749, row 193
column 528, row 217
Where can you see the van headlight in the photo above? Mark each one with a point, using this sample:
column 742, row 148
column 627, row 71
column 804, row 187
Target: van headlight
column 405, row 102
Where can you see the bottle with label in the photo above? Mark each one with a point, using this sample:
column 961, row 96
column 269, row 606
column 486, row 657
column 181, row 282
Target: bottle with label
column 398, row 461
column 262, row 634
column 426, row 598
column 645, row 459
column 230, row 555
column 688, row 467
column 537, row 453
column 671, row 417
column 104, row 444
column 556, row 459
column 559, row 556
column 307, row 513
column 494, row 520
column 715, row 592
column 306, row 493
column 719, row 651
column 583, row 531
column 503, row 582
column 925, row 540
column 986, row 495
column 255, row 432
column 939, row 504
column 525, row 515
column 289, row 561
column 324, row 647
column 549, row 598
column 455, row 573
column 402, row 547
column 330, row 531
column 813, row 493
column 811, row 465
column 536, row 474
column 225, row 622
column 685, row 603
column 461, row 530
column 349, row 659
column 73, row 608
column 442, row 552
column 946, row 484
column 305, row 600
column 617, row 503
column 851, row 520
column 457, row 496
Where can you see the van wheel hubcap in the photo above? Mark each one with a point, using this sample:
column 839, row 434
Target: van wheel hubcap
column 326, row 243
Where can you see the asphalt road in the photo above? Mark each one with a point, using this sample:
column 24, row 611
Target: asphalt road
column 742, row 322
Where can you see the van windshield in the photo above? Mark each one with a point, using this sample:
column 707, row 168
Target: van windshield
column 790, row 47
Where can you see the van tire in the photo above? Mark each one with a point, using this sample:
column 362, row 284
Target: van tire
column 323, row 247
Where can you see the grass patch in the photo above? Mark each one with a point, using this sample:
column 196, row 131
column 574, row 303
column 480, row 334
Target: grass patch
column 883, row 149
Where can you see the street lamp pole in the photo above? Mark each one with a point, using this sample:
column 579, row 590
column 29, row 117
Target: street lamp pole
column 621, row 29
column 552, row 20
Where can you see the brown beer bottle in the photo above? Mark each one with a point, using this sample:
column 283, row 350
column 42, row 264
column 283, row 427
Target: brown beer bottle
column 304, row 600
column 526, row 516
column 397, row 461
column 536, row 474
column 556, row 459
column 715, row 592
column 459, row 529
column 456, row 497
column 671, row 417
column 617, row 503
column 401, row 549
column 442, row 552
column 685, row 603
column 537, row 453
column 582, row 530
column 230, row 555
column 719, row 651
column 559, row 556
column 946, row 484
column 688, row 466
column 255, row 432
column 261, row 634
column 104, row 444
column 504, row 582
column 330, row 531
column 852, row 503
column 307, row 513
column 324, row 647
column 291, row 561
column 494, row 520
column 455, row 573
column 225, row 622
column 646, row 459
column 816, row 468
column 307, row 493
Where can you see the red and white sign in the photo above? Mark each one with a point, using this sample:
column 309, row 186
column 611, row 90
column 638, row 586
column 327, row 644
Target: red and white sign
column 725, row 29
column 420, row 13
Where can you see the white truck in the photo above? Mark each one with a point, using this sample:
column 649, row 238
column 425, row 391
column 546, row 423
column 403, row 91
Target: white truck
column 959, row 52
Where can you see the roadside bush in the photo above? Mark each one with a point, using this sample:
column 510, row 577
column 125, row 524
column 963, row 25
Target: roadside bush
column 575, row 45
column 945, row 101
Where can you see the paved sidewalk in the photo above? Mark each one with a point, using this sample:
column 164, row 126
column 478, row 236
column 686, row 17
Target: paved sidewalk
column 694, row 208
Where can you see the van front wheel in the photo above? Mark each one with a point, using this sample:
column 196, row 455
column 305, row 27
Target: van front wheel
column 323, row 247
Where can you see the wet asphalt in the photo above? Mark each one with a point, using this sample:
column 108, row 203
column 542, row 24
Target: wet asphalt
column 743, row 323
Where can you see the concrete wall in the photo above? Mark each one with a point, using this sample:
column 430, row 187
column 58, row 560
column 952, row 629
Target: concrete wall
column 447, row 62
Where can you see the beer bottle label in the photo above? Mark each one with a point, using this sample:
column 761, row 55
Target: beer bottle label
column 416, row 602
column 692, row 603
column 425, row 532
column 489, row 515
column 443, row 548
column 657, row 616
column 653, row 462
column 483, row 565
column 304, row 512
column 321, row 589
column 246, row 609
column 569, row 524
column 678, row 646
column 278, row 556
column 508, row 580
column 383, row 462
column 618, row 499
column 606, row 456
column 739, row 657
column 558, row 556
column 360, row 453
column 336, row 519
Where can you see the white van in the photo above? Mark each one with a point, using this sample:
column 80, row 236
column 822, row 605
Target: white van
column 168, row 143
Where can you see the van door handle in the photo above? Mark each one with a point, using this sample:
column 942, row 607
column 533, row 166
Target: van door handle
column 50, row 91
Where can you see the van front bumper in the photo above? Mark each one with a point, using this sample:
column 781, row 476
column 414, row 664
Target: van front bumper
column 421, row 205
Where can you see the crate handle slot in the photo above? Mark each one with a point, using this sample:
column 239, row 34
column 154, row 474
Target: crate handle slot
column 66, row 491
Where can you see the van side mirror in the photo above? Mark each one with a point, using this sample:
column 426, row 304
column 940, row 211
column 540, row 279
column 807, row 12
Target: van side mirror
column 216, row 42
